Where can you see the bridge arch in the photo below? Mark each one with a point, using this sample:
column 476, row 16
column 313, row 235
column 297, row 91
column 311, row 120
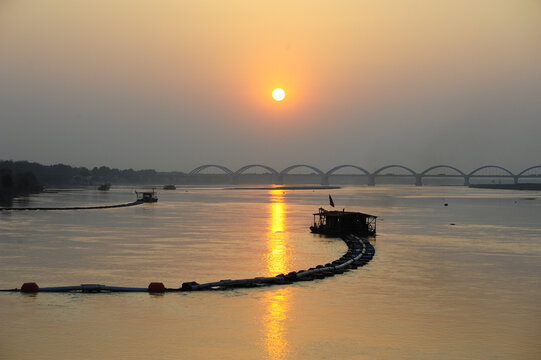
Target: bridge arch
column 442, row 166
column 528, row 169
column 491, row 166
column 244, row 168
column 336, row 168
column 413, row 173
column 288, row 169
column 198, row 169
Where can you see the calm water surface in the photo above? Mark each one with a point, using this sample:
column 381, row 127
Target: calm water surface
column 461, row 281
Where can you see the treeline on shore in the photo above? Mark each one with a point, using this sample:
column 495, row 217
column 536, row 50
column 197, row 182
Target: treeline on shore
column 60, row 175
column 16, row 184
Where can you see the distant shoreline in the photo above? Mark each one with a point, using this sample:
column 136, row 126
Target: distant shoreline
column 525, row 186
column 315, row 187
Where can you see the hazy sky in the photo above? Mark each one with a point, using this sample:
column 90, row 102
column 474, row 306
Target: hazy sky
column 172, row 85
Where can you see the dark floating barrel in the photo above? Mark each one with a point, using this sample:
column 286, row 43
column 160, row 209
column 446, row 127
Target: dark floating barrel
column 156, row 287
column 31, row 287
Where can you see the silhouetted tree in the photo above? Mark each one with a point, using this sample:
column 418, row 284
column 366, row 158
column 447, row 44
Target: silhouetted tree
column 27, row 183
column 6, row 180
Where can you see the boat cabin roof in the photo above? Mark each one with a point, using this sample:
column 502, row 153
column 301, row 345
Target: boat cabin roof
column 337, row 213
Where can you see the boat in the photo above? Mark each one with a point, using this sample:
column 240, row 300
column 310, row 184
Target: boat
column 147, row 196
column 104, row 187
column 169, row 187
column 336, row 223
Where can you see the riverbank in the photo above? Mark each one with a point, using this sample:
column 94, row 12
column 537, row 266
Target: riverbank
column 525, row 186
column 315, row 187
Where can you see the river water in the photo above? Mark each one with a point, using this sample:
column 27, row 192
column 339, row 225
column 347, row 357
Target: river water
column 461, row 281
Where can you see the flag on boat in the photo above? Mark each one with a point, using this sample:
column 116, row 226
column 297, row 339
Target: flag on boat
column 330, row 201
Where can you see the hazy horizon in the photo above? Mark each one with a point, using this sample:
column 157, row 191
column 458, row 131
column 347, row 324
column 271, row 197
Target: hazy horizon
column 175, row 85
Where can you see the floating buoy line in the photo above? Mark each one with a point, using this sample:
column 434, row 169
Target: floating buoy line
column 133, row 203
column 142, row 197
column 360, row 252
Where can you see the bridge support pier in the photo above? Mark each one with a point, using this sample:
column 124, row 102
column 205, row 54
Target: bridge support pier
column 371, row 180
column 418, row 180
column 515, row 179
column 279, row 179
column 234, row 179
column 466, row 181
column 324, row 179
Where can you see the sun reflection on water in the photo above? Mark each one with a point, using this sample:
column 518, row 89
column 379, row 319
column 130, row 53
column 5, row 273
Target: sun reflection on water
column 277, row 254
column 275, row 323
column 277, row 302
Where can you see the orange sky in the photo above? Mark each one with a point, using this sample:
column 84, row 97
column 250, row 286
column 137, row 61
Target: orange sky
column 198, row 77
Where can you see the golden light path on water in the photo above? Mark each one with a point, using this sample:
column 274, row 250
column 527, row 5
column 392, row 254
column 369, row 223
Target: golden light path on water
column 276, row 301
column 277, row 237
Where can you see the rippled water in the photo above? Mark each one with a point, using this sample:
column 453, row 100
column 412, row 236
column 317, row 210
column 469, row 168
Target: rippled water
column 447, row 282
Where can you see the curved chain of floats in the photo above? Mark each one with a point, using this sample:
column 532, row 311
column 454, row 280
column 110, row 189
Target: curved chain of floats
column 360, row 252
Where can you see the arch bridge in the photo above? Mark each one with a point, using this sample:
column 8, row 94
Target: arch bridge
column 494, row 171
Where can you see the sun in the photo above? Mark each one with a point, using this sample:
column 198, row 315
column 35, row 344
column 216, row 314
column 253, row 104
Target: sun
column 278, row 94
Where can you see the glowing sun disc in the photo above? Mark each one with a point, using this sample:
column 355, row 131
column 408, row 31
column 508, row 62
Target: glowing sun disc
column 278, row 94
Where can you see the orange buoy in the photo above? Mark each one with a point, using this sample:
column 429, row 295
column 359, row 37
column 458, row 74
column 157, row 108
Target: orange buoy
column 156, row 287
column 30, row 287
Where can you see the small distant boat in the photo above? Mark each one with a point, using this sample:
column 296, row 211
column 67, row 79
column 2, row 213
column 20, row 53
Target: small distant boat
column 147, row 196
column 169, row 187
column 104, row 187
